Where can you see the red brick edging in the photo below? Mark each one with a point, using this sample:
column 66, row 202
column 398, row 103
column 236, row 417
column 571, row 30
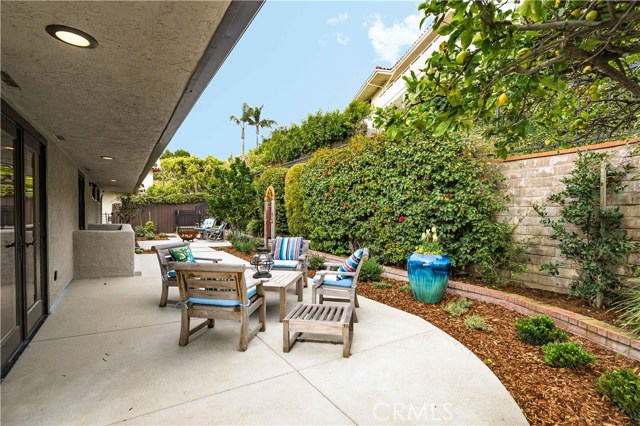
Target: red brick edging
column 599, row 332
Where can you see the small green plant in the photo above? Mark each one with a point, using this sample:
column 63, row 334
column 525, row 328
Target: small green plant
column 539, row 330
column 629, row 308
column 430, row 243
column 406, row 288
column 381, row 284
column 458, row 307
column 140, row 231
column 622, row 386
column 244, row 244
column 476, row 322
column 566, row 355
column 149, row 236
column 150, row 227
column 162, row 235
column 371, row 270
column 139, row 250
column 255, row 228
column 316, row 262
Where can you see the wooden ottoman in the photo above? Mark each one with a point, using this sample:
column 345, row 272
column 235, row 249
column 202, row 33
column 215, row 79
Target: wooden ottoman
column 332, row 320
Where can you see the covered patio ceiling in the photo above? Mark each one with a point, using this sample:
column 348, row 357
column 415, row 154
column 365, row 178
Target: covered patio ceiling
column 125, row 98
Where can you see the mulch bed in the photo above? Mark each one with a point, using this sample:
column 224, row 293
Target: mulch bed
column 546, row 395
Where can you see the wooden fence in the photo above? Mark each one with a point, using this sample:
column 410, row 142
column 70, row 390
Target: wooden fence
column 167, row 217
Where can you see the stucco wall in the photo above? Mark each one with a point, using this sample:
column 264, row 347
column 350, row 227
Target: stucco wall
column 62, row 218
column 103, row 251
column 530, row 181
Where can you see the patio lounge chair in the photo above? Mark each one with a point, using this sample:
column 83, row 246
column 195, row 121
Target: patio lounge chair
column 218, row 291
column 328, row 286
column 168, row 275
column 217, row 234
column 206, row 227
column 286, row 260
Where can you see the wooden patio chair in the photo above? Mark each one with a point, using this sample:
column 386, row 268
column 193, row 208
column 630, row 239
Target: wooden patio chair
column 168, row 275
column 206, row 227
column 328, row 287
column 218, row 291
column 300, row 264
column 218, row 233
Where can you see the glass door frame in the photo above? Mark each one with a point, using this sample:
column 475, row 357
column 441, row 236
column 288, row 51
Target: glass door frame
column 26, row 137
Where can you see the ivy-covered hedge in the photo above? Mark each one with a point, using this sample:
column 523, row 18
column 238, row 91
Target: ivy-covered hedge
column 176, row 198
column 384, row 194
column 294, row 201
column 276, row 178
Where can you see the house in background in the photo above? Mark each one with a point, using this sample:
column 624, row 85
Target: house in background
column 92, row 93
column 385, row 86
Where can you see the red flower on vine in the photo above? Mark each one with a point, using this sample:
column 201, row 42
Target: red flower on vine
column 374, row 207
column 448, row 196
column 401, row 218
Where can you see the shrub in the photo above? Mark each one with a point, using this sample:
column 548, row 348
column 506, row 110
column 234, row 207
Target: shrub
column 405, row 288
column 539, row 330
column 273, row 177
column 381, row 284
column 149, row 236
column 355, row 196
column 622, row 386
column 140, row 231
column 458, row 307
column 294, row 201
column 587, row 233
column 316, row 262
column 232, row 195
column 566, row 355
column 162, row 235
column 244, row 243
column 150, row 227
column 371, row 270
column 629, row 308
column 255, row 228
column 476, row 322
column 139, row 250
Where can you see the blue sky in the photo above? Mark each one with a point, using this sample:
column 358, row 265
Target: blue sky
column 295, row 58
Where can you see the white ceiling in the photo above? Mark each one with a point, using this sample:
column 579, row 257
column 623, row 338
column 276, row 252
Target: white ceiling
column 125, row 98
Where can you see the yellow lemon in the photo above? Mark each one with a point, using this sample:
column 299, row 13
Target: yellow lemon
column 502, row 99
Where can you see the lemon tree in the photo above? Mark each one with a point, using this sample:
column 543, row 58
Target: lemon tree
column 565, row 68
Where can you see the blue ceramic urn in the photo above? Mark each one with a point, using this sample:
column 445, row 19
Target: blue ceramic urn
column 428, row 276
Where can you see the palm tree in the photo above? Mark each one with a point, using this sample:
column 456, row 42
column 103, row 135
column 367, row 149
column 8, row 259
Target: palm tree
column 254, row 120
column 242, row 121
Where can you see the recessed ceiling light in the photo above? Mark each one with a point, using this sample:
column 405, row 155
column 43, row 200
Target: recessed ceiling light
column 112, row 180
column 8, row 148
column 106, row 157
column 71, row 36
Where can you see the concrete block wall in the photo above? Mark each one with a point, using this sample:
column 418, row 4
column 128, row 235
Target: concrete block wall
column 530, row 179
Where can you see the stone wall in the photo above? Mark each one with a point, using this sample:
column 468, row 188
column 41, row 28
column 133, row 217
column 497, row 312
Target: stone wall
column 530, row 179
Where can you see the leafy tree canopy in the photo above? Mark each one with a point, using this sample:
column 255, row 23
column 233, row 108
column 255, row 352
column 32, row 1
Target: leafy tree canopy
column 569, row 69
column 183, row 175
column 179, row 153
column 232, row 195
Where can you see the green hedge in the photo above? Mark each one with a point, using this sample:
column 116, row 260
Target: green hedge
column 177, row 198
column 294, row 201
column 355, row 196
column 274, row 177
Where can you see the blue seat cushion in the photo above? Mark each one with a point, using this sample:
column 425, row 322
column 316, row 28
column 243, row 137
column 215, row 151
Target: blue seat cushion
column 171, row 273
column 221, row 302
column 331, row 280
column 285, row 263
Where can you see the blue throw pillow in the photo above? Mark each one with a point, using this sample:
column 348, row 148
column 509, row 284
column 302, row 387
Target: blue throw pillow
column 350, row 264
column 182, row 254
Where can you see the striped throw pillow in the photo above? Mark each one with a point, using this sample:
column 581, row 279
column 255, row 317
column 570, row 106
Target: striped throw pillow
column 287, row 248
column 350, row 264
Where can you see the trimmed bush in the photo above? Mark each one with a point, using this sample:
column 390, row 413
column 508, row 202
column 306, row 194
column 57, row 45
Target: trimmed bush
column 566, row 355
column 476, row 322
column 255, row 228
column 294, row 201
column 273, row 177
column 539, row 330
column 622, row 386
column 150, row 227
column 140, row 231
column 458, row 307
column 371, row 270
column 316, row 262
column 245, row 244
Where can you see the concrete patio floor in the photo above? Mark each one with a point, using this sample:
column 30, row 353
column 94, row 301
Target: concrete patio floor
column 110, row 355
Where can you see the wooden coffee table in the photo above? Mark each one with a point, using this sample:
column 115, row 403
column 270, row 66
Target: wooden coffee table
column 280, row 281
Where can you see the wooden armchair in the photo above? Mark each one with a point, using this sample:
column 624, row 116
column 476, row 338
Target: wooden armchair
column 216, row 233
column 328, row 287
column 293, row 265
column 218, row 291
column 168, row 274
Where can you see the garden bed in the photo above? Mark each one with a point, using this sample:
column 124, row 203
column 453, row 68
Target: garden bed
column 546, row 395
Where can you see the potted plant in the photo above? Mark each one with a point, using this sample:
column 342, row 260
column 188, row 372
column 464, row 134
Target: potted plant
column 428, row 269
